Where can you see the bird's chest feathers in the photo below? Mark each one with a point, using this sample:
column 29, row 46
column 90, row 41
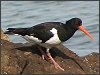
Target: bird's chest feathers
column 55, row 39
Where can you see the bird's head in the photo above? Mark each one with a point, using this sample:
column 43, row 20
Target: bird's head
column 76, row 24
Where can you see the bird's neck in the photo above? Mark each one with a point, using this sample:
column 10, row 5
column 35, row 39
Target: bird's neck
column 69, row 31
column 69, row 28
column 70, row 25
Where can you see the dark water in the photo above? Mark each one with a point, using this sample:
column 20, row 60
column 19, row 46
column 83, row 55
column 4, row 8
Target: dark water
column 29, row 13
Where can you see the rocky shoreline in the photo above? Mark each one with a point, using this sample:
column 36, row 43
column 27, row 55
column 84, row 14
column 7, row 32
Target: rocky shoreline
column 18, row 58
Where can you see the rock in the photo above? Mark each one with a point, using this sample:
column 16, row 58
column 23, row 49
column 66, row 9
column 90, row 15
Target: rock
column 92, row 60
column 4, row 52
column 15, row 59
column 4, row 36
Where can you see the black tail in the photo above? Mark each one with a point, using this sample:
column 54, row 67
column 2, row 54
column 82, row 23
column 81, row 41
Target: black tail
column 20, row 31
column 10, row 31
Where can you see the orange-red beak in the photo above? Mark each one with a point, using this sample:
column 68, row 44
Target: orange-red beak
column 86, row 32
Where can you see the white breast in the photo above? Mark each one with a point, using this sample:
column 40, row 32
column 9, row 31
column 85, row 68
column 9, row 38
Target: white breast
column 55, row 39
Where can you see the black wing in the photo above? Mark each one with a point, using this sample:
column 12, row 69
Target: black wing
column 42, row 31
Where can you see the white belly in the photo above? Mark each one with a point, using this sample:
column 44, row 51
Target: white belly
column 55, row 39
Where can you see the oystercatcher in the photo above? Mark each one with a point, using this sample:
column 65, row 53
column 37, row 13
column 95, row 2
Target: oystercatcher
column 50, row 34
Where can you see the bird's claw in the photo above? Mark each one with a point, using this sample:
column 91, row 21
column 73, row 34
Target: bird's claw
column 48, row 57
column 58, row 67
column 43, row 57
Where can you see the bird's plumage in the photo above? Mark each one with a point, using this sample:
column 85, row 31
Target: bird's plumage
column 43, row 32
column 50, row 34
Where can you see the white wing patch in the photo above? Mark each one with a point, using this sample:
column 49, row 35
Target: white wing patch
column 32, row 39
column 16, row 34
column 55, row 39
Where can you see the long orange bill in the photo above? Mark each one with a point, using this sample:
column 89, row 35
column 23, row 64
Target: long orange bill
column 86, row 32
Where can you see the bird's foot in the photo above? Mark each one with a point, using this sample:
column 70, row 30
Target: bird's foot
column 54, row 62
column 58, row 67
column 48, row 57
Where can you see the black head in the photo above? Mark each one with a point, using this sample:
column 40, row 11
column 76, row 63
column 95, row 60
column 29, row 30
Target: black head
column 74, row 23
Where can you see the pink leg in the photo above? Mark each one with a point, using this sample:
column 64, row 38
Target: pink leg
column 54, row 62
column 44, row 55
column 48, row 56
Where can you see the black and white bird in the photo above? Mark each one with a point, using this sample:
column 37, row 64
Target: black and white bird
column 50, row 34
